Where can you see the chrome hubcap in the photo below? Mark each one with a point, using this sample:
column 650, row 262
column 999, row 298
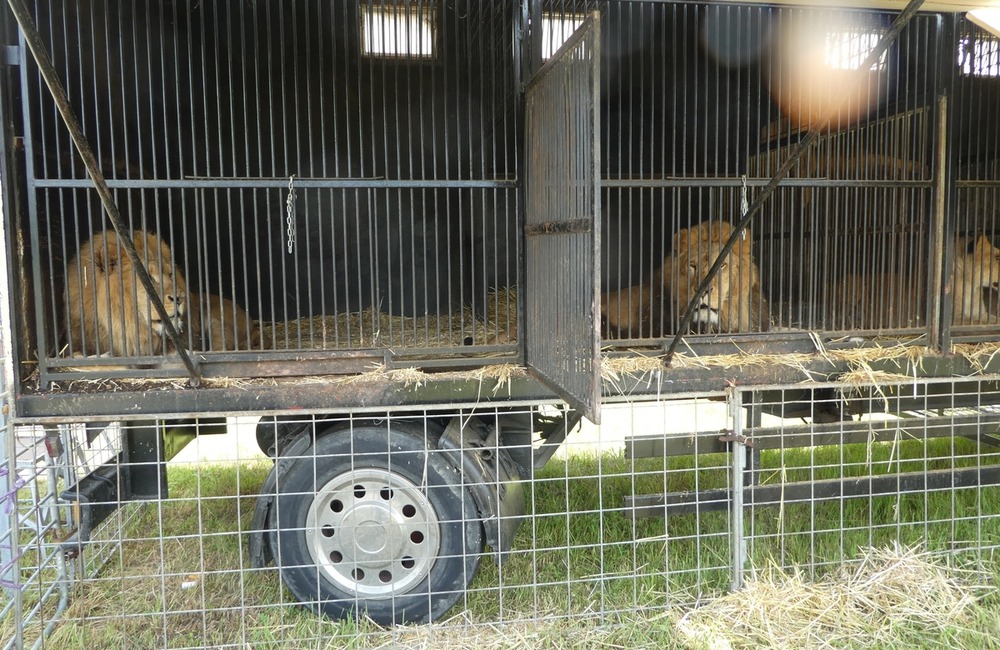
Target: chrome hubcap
column 373, row 533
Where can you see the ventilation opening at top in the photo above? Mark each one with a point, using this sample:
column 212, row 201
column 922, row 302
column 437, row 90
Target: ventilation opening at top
column 979, row 57
column 556, row 30
column 402, row 30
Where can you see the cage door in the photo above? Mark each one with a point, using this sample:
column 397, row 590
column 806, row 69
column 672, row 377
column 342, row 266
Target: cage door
column 562, row 222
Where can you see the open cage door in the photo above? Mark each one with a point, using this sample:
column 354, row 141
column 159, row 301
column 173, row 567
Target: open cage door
column 562, row 221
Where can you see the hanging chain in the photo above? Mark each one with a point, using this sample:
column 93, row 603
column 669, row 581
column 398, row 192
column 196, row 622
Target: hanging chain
column 744, row 202
column 290, row 213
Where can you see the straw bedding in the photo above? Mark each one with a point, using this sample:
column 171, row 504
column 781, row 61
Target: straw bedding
column 371, row 328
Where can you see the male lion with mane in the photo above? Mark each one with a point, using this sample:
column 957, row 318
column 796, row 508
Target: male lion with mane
column 733, row 301
column 108, row 307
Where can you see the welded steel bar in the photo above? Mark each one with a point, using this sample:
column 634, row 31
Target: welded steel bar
column 280, row 183
column 784, row 494
column 738, row 450
column 9, row 541
column 940, row 206
column 759, row 182
column 49, row 74
column 793, row 158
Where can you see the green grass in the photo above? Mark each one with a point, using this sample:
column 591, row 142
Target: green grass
column 585, row 572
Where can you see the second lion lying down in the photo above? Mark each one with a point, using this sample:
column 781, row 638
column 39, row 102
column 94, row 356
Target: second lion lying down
column 896, row 300
column 732, row 303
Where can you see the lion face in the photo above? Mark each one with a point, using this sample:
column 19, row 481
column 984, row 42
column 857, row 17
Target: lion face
column 981, row 261
column 109, row 309
column 730, row 303
column 172, row 291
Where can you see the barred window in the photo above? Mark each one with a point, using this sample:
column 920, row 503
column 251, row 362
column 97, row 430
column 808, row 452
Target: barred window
column 979, row 57
column 556, row 30
column 404, row 30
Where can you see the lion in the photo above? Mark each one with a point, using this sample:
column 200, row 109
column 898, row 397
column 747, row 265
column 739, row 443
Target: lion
column 976, row 268
column 626, row 313
column 109, row 310
column 896, row 300
column 228, row 326
column 733, row 301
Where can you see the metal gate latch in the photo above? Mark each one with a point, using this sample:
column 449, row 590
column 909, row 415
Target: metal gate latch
column 729, row 436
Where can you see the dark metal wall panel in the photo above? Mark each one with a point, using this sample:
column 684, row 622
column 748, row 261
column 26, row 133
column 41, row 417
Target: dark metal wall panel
column 562, row 221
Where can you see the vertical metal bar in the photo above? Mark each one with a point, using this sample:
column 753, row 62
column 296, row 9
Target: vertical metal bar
column 938, row 238
column 38, row 49
column 946, row 39
column 8, row 451
column 535, row 40
column 737, row 468
column 31, row 199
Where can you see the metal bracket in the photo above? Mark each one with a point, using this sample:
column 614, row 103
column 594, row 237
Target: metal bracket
column 729, row 436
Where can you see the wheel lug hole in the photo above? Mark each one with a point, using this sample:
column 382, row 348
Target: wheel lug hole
column 327, row 531
column 386, row 494
column 408, row 562
column 416, row 537
column 359, row 492
column 385, row 577
column 358, row 574
column 409, row 511
column 337, row 505
column 336, row 557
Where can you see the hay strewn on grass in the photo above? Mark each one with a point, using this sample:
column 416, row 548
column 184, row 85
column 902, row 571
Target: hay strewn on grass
column 891, row 598
column 892, row 593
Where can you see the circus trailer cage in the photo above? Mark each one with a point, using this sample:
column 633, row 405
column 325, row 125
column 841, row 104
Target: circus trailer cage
column 423, row 239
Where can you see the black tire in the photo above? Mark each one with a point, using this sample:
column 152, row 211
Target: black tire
column 356, row 533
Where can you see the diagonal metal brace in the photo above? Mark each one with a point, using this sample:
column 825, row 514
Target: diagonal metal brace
column 800, row 147
column 51, row 77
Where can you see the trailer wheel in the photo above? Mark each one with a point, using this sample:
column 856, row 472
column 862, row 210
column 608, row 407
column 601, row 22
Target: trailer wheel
column 373, row 521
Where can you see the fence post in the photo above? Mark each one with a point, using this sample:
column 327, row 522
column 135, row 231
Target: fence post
column 738, row 455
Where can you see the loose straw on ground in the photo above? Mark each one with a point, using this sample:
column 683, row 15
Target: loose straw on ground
column 891, row 592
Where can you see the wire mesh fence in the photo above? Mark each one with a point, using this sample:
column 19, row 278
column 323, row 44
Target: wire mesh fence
column 363, row 521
